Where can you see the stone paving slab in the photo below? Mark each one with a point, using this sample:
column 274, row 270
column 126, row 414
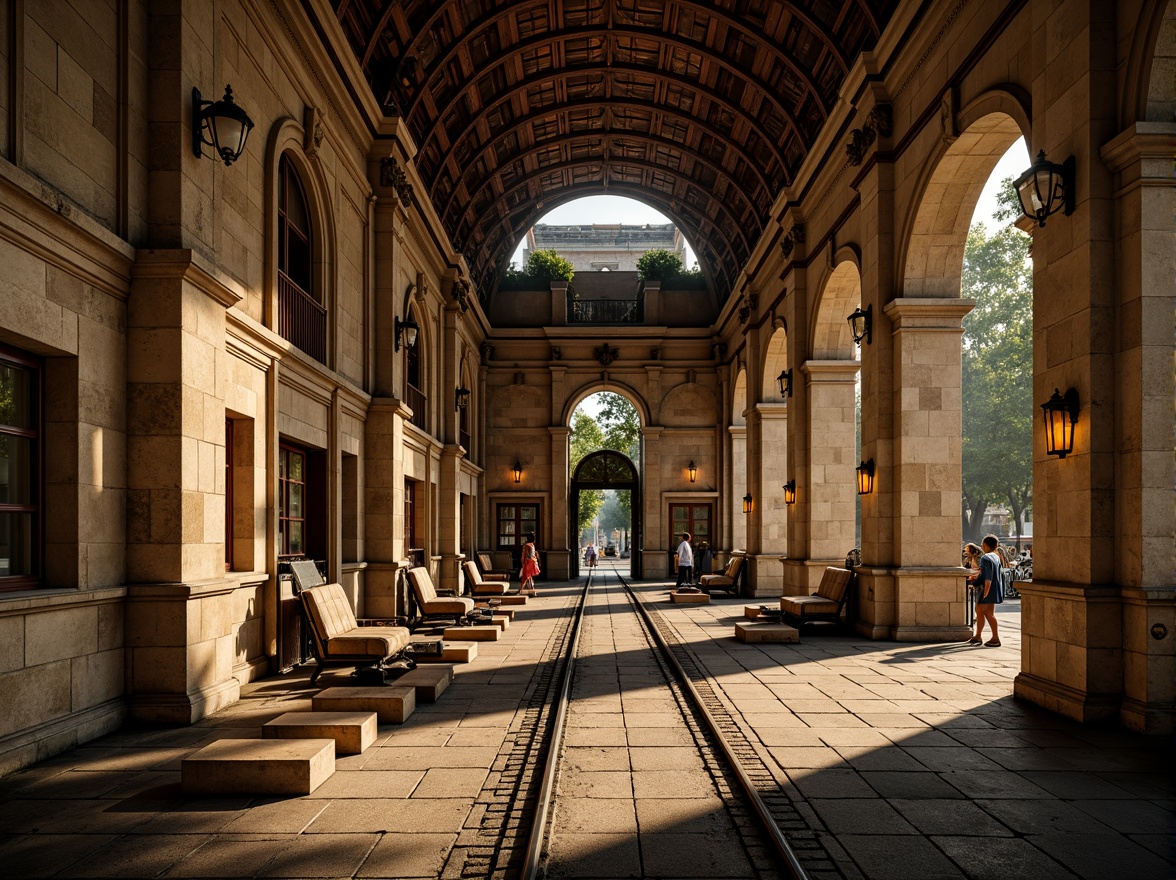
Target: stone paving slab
column 914, row 761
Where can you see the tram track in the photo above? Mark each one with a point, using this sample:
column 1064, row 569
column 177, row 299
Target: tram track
column 760, row 811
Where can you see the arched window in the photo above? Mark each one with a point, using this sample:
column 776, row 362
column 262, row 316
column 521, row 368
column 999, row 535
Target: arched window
column 302, row 318
column 414, row 381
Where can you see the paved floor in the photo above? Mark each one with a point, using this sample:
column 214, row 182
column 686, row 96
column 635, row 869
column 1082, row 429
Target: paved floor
column 915, row 757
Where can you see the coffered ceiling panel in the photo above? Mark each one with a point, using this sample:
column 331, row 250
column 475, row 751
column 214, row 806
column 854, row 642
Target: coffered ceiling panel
column 702, row 110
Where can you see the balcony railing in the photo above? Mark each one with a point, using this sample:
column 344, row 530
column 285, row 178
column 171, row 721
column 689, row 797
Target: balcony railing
column 605, row 311
column 415, row 398
column 301, row 320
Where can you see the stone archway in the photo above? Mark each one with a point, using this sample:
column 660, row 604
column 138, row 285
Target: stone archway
column 607, row 469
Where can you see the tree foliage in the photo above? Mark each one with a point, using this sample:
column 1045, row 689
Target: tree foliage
column 659, row 264
column 542, row 267
column 997, row 370
column 587, row 437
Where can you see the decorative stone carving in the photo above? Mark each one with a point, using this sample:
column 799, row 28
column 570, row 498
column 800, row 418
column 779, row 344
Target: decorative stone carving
column 791, row 239
column 487, row 351
column 461, row 294
column 655, row 354
column 605, row 354
column 556, row 353
column 719, row 349
column 392, row 175
column 786, row 246
column 879, row 121
column 750, row 303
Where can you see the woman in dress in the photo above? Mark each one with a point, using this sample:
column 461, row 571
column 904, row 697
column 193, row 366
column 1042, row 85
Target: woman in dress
column 988, row 593
column 530, row 558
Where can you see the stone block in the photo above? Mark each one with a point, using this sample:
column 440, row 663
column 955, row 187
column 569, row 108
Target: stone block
column 392, row 705
column 259, row 766
column 473, row 633
column 56, row 635
column 751, row 612
column 690, row 598
column 760, row 633
column 451, row 652
column 514, row 600
column 352, row 732
column 429, row 682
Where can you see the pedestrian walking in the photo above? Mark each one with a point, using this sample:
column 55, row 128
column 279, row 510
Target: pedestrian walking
column 988, row 593
column 530, row 566
column 590, row 556
column 685, row 561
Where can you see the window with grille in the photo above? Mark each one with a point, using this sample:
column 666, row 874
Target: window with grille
column 302, row 318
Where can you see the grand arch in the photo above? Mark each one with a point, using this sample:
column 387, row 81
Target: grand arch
column 607, row 470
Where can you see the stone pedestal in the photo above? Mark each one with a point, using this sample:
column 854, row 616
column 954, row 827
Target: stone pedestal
column 911, row 604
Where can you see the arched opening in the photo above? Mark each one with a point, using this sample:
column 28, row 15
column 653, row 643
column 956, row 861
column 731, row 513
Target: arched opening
column 827, row 499
column 604, row 510
column 774, row 473
column 414, row 375
column 739, row 485
column 613, row 472
column 302, row 315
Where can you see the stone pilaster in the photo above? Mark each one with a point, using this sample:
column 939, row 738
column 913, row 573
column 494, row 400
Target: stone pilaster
column 179, row 608
column 560, row 547
column 384, row 507
column 826, row 491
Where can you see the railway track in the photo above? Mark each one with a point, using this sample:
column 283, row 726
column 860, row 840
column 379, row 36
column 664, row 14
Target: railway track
column 759, row 811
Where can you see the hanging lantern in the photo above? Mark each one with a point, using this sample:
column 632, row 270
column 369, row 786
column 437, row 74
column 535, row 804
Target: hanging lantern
column 1061, row 414
column 865, row 477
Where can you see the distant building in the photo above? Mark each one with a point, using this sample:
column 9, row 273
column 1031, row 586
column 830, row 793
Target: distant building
column 605, row 247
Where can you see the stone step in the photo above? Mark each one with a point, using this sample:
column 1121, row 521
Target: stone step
column 755, row 633
column 482, row 633
column 751, row 612
column 430, row 681
column 508, row 613
column 352, row 731
column 392, row 704
column 258, row 766
column 690, row 598
column 491, row 588
column 515, row 599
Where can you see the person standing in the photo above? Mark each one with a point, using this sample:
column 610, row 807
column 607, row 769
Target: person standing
column 988, row 593
column 685, row 561
column 590, row 556
column 530, row 566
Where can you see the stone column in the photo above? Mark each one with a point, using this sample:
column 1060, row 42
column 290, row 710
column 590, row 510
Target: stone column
column 1099, row 618
column 773, row 512
column 739, row 487
column 383, row 513
column 179, row 638
column 449, row 527
column 559, row 549
column 654, row 542
column 922, row 598
column 826, row 490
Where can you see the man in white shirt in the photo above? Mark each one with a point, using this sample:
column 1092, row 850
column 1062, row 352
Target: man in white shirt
column 685, row 561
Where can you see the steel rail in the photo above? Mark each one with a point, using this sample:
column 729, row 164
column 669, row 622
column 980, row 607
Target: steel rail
column 761, row 809
column 534, row 851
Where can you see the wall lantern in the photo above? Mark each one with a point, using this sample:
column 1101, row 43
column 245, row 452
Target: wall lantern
column 861, row 324
column 518, row 471
column 748, row 504
column 865, row 477
column 1046, row 188
column 221, row 125
column 461, row 398
column 1061, row 414
column 785, row 380
column 790, row 492
column 408, row 330
column 693, row 470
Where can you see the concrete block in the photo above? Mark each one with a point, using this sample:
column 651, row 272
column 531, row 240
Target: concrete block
column 258, row 766
column 483, row 633
column 391, row 704
column 430, row 682
column 751, row 612
column 759, row 633
column 690, row 598
column 514, row 600
column 352, row 731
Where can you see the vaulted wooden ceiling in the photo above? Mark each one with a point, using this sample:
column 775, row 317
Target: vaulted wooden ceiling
column 703, row 110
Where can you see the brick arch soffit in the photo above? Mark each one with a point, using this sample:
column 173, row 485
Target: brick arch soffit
column 286, row 137
column 775, row 359
column 1003, row 114
column 840, row 287
column 578, row 396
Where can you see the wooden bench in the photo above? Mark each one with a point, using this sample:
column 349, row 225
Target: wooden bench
column 729, row 579
column 481, row 587
column 434, row 607
column 338, row 639
column 825, row 605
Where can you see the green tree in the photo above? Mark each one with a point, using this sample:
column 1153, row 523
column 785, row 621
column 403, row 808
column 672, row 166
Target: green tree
column 547, row 265
column 658, row 265
column 997, row 370
column 587, row 437
column 622, row 433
